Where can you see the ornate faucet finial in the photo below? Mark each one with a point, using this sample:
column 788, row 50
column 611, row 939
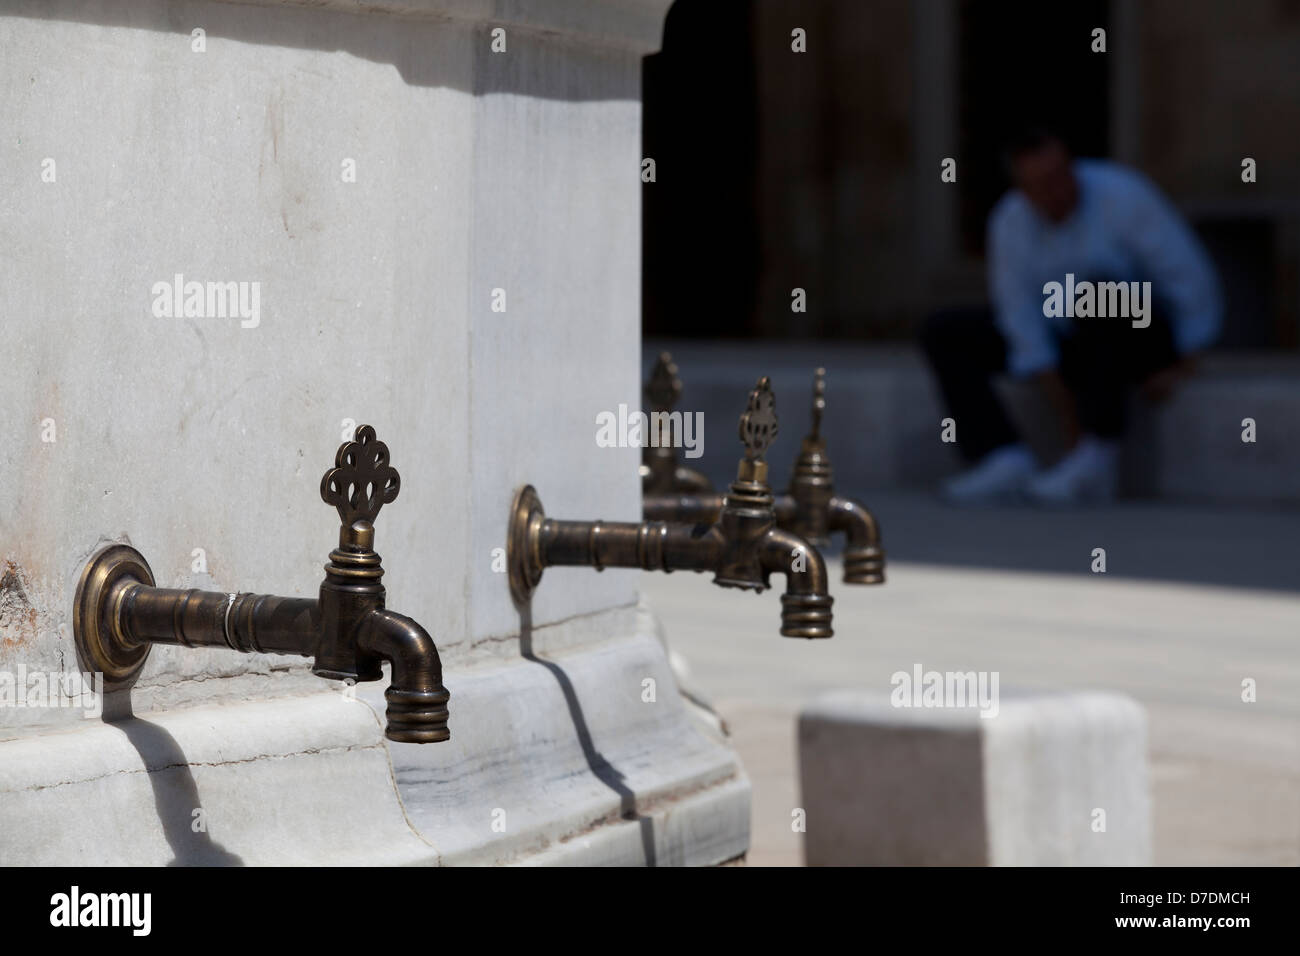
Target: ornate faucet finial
column 758, row 424
column 664, row 387
column 819, row 402
column 362, row 481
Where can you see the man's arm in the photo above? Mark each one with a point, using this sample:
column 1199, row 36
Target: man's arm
column 1017, row 300
column 1018, row 311
column 1181, row 273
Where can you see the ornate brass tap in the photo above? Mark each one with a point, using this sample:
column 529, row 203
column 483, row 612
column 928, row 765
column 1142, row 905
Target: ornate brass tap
column 741, row 544
column 810, row 509
column 661, row 473
column 118, row 613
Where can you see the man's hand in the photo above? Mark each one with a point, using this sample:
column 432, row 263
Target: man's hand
column 1160, row 385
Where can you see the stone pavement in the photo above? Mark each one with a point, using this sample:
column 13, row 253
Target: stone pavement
column 1193, row 602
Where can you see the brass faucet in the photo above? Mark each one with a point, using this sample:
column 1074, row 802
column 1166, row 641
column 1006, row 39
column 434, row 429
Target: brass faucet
column 741, row 544
column 661, row 473
column 119, row 614
column 810, row 509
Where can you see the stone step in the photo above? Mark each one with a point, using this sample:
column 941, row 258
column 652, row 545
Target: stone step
column 883, row 417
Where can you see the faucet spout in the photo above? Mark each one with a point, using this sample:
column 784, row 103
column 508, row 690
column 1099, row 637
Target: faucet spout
column 806, row 603
column 864, row 558
column 417, row 701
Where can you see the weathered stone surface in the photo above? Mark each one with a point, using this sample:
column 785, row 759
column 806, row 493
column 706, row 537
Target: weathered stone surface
column 475, row 171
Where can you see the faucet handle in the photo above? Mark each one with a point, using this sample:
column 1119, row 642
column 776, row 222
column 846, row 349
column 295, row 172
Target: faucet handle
column 758, row 423
column 361, row 481
column 664, row 388
column 819, row 403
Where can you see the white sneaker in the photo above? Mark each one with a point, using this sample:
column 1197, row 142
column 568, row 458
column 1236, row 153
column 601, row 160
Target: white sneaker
column 1000, row 476
column 1090, row 473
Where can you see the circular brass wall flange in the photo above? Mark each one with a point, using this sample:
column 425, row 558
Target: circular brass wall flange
column 523, row 559
column 101, row 646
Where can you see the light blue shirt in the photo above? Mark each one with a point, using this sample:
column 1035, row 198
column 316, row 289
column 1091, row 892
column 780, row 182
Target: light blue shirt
column 1122, row 230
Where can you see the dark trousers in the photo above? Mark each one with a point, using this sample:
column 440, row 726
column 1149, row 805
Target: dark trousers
column 1099, row 361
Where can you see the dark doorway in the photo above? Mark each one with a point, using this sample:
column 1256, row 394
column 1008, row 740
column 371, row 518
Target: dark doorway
column 699, row 252
column 1025, row 63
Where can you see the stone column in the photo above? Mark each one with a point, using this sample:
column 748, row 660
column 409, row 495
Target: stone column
column 437, row 203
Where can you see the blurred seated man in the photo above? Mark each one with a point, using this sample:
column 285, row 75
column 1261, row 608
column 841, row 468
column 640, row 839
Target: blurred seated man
column 1073, row 223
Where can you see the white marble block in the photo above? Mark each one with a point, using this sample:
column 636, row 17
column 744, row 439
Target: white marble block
column 439, row 205
column 1049, row 779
